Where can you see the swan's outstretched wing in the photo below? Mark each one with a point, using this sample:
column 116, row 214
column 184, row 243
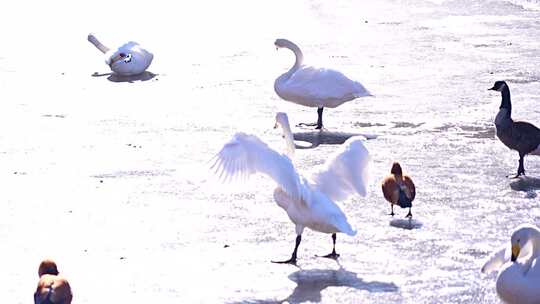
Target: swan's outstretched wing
column 345, row 172
column 318, row 83
column 496, row 260
column 246, row 154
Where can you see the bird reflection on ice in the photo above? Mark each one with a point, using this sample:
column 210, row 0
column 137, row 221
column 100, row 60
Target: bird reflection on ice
column 311, row 283
column 323, row 137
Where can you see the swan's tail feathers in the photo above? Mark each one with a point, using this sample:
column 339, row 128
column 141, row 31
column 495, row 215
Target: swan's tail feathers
column 495, row 261
column 97, row 44
column 361, row 91
column 346, row 228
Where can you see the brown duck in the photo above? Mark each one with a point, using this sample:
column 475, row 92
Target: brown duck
column 521, row 136
column 52, row 288
column 398, row 189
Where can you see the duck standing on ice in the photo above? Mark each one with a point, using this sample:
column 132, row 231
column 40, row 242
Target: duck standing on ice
column 128, row 60
column 398, row 189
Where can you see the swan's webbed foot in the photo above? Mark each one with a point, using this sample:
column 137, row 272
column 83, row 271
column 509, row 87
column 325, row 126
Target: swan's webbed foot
column 409, row 215
column 333, row 255
column 391, row 213
column 291, row 261
column 516, row 175
column 304, row 124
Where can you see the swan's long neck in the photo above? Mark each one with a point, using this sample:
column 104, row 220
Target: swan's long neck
column 299, row 58
column 97, row 44
column 289, row 139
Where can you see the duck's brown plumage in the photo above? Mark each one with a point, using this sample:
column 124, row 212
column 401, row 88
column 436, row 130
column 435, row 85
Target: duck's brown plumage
column 52, row 287
column 391, row 184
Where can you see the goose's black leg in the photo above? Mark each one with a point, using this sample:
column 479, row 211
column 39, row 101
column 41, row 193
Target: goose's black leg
column 521, row 168
column 292, row 260
column 333, row 254
column 318, row 124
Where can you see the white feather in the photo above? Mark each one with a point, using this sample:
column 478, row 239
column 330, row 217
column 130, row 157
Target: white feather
column 346, row 172
column 246, row 154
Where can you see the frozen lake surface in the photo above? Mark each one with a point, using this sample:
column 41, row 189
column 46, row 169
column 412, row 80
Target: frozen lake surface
column 110, row 179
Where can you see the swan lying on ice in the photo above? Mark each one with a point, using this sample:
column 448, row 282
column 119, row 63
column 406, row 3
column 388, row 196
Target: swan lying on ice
column 309, row 202
column 518, row 281
column 128, row 60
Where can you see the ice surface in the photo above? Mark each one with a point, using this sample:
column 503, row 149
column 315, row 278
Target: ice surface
column 110, row 178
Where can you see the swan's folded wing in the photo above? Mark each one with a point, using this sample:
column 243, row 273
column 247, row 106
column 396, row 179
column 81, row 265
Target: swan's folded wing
column 345, row 172
column 246, row 154
column 496, row 260
column 319, row 83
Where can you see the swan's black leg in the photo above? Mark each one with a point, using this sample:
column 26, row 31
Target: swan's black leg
column 333, row 254
column 319, row 118
column 318, row 124
column 292, row 260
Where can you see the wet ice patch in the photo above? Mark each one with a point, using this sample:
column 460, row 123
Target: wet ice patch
column 525, row 183
column 406, row 223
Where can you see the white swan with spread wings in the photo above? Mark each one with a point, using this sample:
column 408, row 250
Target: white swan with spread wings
column 309, row 202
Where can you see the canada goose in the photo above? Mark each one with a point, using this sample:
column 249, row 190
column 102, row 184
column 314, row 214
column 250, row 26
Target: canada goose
column 52, row 288
column 315, row 87
column 398, row 189
column 516, row 135
column 308, row 202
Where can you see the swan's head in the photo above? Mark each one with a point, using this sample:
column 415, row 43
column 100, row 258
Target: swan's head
column 396, row 169
column 498, row 86
column 283, row 43
column 520, row 237
column 47, row 267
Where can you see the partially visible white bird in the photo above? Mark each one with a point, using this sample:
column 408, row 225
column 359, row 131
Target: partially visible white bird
column 128, row 60
column 518, row 280
column 315, row 87
column 309, row 202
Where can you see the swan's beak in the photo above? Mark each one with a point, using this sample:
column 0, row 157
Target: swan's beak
column 275, row 125
column 493, row 89
column 515, row 252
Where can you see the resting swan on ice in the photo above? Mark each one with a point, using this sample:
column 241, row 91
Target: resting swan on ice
column 128, row 60
column 315, row 87
column 518, row 281
column 309, row 202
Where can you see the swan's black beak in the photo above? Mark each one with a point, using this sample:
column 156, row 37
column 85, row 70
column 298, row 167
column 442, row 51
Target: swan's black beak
column 493, row 89
column 515, row 252
column 275, row 126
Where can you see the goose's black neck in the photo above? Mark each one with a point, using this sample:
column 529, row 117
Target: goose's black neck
column 505, row 102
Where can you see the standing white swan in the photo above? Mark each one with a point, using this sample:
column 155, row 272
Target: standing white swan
column 315, row 87
column 518, row 280
column 128, row 60
column 308, row 202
